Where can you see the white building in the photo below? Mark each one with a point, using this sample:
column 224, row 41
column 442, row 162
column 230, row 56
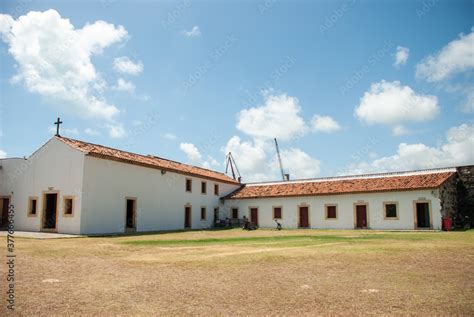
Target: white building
column 70, row 186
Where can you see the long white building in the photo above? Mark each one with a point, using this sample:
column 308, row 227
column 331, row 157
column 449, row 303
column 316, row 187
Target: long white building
column 71, row 186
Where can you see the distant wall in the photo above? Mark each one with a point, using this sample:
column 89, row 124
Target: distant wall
column 345, row 218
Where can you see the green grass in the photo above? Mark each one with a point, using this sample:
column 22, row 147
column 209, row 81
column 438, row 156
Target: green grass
column 287, row 240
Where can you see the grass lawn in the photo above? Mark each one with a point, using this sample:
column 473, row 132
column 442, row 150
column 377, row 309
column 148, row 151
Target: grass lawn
column 235, row 272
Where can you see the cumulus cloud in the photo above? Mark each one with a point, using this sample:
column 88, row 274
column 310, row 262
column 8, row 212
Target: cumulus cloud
column 124, row 85
column 324, row 124
column 257, row 160
column 191, row 152
column 54, row 59
column 125, row 65
column 3, row 154
column 401, row 56
column 456, row 150
column 298, row 164
column 456, row 57
column 116, row 130
column 393, row 104
column 279, row 117
column 195, row 157
column 400, row 130
column 194, row 32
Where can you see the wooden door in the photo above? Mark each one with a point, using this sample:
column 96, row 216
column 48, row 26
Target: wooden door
column 254, row 216
column 361, row 216
column 4, row 206
column 304, row 217
column 187, row 217
column 423, row 215
column 50, row 211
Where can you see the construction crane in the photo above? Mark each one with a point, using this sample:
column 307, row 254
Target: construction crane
column 285, row 177
column 230, row 163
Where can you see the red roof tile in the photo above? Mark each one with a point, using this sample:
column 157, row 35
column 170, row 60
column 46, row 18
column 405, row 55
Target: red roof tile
column 350, row 185
column 147, row 161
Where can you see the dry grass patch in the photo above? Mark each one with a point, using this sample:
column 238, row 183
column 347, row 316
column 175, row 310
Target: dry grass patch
column 235, row 272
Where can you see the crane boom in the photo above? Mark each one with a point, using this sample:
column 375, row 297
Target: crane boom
column 279, row 160
column 230, row 162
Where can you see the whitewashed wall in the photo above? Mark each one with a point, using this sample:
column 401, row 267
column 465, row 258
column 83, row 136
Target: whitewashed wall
column 345, row 217
column 160, row 198
column 54, row 167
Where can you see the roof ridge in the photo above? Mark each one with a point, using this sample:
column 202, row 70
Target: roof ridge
column 66, row 140
column 359, row 176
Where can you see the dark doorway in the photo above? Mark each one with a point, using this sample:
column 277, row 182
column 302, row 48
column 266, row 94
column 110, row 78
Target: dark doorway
column 423, row 215
column 304, row 217
column 187, row 217
column 130, row 223
column 361, row 216
column 216, row 214
column 254, row 216
column 50, row 211
column 4, row 206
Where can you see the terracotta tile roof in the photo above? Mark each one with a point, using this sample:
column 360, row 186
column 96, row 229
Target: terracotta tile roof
column 348, row 185
column 145, row 160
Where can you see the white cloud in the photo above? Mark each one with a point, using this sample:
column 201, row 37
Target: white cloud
column 394, row 104
column 116, row 130
column 279, row 117
column 194, row 32
column 297, row 163
column 92, row 132
column 469, row 103
column 3, row 154
column 193, row 154
column 456, row 57
column 324, row 124
column 124, row 85
column 54, row 59
column 400, row 130
column 258, row 161
column 169, row 136
column 457, row 149
column 125, row 65
column 401, row 56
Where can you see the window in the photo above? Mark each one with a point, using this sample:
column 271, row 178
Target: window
column 390, row 210
column 32, row 206
column 203, row 187
column 216, row 189
column 276, row 212
column 331, row 211
column 189, row 185
column 203, row 213
column 235, row 213
column 68, row 206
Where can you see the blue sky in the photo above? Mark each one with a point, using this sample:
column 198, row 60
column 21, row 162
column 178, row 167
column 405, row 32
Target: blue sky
column 190, row 81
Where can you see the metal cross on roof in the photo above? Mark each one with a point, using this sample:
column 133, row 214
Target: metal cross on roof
column 57, row 123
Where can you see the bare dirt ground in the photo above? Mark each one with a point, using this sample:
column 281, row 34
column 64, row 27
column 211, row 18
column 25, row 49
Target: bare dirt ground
column 233, row 272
